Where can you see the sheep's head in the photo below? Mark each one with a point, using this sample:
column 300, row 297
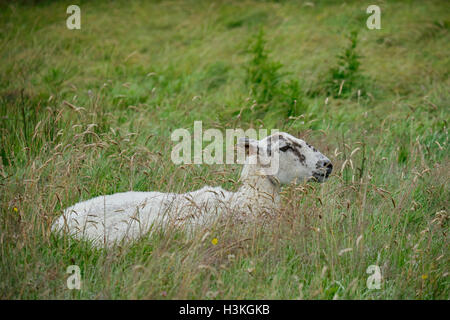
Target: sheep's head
column 287, row 158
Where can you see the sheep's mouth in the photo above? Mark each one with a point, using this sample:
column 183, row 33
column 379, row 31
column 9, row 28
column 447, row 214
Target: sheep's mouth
column 319, row 177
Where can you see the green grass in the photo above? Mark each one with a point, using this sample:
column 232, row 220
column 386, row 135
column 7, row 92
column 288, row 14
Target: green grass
column 130, row 76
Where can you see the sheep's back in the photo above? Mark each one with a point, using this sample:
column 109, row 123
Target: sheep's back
column 129, row 215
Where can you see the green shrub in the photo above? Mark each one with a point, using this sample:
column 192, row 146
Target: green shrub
column 345, row 79
column 268, row 84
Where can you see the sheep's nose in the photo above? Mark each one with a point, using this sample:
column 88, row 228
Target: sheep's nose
column 328, row 165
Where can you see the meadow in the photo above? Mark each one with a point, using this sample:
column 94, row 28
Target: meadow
column 91, row 111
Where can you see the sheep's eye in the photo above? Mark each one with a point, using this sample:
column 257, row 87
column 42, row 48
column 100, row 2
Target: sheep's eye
column 285, row 148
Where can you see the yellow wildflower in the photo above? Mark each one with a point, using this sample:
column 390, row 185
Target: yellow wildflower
column 214, row 241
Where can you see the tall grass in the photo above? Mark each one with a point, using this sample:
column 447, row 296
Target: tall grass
column 90, row 112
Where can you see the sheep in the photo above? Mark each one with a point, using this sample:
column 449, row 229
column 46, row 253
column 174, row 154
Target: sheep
column 127, row 216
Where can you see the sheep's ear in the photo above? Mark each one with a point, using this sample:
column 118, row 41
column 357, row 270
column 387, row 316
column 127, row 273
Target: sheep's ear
column 250, row 145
